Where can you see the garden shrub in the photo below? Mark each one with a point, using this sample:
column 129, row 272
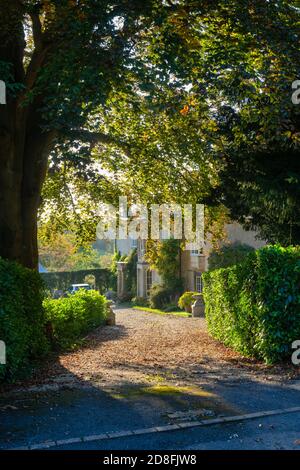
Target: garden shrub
column 74, row 316
column 159, row 297
column 140, row 301
column 186, row 300
column 22, row 320
column 62, row 280
column 111, row 295
column 171, row 308
column 254, row 307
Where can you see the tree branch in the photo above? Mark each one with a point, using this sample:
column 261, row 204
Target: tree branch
column 96, row 138
column 36, row 29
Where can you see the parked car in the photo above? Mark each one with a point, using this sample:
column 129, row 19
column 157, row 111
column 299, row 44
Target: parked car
column 75, row 287
column 58, row 293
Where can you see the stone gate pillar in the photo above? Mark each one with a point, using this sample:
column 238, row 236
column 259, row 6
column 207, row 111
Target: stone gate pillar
column 121, row 285
column 142, row 269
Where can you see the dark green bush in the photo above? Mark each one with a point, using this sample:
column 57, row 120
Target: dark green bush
column 159, row 296
column 140, row 301
column 254, row 307
column 229, row 255
column 74, row 316
column 22, row 320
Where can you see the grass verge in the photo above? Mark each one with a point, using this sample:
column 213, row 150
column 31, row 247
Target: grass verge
column 160, row 312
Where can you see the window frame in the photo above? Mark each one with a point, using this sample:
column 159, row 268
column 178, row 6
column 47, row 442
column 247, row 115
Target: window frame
column 197, row 278
column 195, row 252
column 134, row 243
column 149, row 276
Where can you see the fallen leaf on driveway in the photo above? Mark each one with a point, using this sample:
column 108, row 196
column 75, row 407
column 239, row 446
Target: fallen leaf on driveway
column 8, row 407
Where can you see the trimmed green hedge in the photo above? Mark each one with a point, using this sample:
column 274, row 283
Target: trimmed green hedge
column 74, row 316
column 26, row 318
column 22, row 322
column 104, row 279
column 254, row 307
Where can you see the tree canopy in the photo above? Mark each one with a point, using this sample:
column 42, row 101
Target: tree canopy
column 162, row 100
column 215, row 122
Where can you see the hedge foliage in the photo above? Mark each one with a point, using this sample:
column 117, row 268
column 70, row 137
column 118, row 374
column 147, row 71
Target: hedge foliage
column 22, row 322
column 254, row 307
column 26, row 318
column 74, row 316
column 61, row 280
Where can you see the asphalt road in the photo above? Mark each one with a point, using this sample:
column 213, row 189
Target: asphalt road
column 67, row 409
column 272, row 433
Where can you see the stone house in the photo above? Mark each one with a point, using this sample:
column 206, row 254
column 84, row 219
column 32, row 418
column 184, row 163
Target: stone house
column 192, row 263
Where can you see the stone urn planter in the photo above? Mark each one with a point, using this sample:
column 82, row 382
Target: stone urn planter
column 198, row 306
column 111, row 317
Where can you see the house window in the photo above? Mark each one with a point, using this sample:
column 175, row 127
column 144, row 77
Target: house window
column 141, row 249
column 194, row 252
column 198, row 284
column 149, row 280
column 134, row 244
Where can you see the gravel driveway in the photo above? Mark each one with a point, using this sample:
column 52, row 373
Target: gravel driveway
column 144, row 346
column 149, row 370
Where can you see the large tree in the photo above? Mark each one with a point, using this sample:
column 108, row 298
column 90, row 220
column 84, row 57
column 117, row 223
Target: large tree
column 59, row 60
column 175, row 91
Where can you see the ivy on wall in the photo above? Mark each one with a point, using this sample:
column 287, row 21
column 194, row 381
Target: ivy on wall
column 164, row 257
column 130, row 273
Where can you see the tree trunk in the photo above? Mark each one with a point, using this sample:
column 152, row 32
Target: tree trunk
column 10, row 199
column 23, row 170
column 24, row 151
column 24, row 147
column 37, row 148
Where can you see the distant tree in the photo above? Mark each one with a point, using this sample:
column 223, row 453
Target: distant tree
column 56, row 254
column 62, row 253
column 228, row 255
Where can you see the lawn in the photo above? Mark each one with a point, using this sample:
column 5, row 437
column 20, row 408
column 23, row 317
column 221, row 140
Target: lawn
column 160, row 312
